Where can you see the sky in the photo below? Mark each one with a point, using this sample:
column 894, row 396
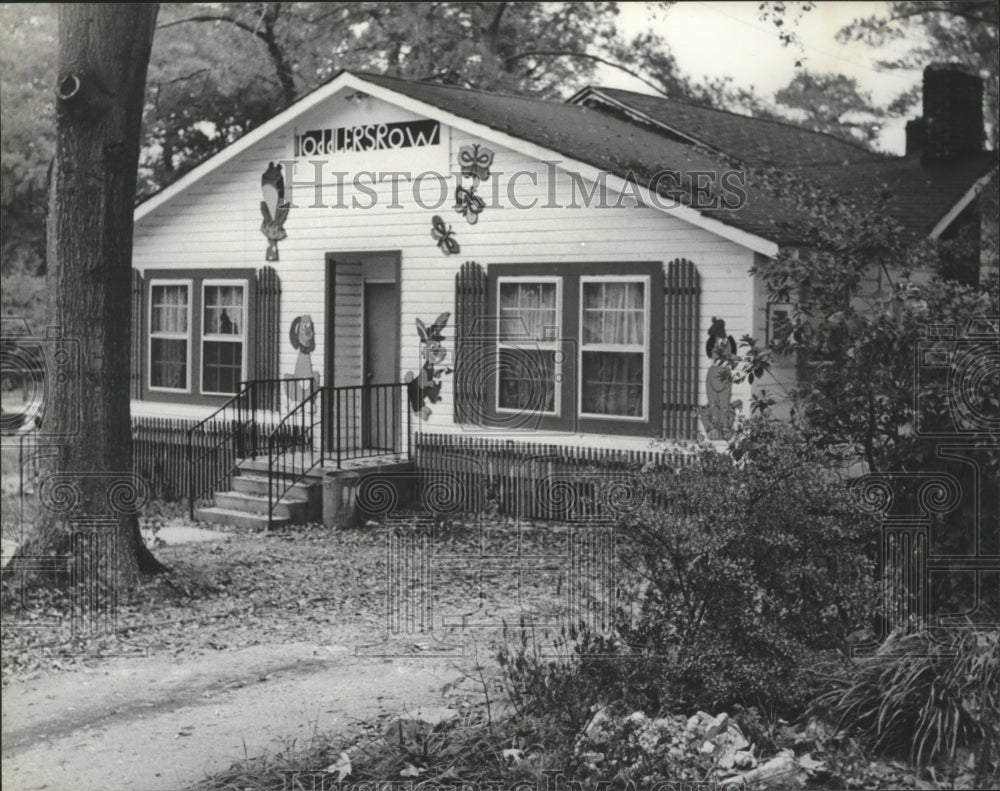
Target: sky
column 719, row 39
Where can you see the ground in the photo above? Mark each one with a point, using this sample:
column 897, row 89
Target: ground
column 257, row 639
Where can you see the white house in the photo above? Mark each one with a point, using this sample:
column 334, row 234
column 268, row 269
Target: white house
column 507, row 270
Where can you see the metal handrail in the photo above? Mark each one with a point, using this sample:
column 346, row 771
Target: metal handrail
column 279, row 450
column 239, row 437
column 362, row 421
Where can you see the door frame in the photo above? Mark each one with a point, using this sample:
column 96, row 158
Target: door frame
column 329, row 304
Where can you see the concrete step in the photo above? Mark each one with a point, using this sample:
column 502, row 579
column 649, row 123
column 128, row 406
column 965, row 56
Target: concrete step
column 259, row 465
column 257, row 484
column 225, row 516
column 294, row 508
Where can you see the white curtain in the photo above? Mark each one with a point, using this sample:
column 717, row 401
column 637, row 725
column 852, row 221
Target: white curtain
column 613, row 313
column 223, row 310
column 526, row 309
column 170, row 309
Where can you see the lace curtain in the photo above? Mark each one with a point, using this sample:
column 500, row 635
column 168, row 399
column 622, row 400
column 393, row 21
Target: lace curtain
column 223, row 310
column 170, row 309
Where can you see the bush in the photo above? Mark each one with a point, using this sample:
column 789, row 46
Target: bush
column 924, row 695
column 752, row 566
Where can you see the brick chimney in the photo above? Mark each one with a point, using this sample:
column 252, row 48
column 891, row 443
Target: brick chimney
column 952, row 123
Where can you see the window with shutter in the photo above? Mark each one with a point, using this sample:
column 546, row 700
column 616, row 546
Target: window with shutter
column 575, row 348
column 199, row 333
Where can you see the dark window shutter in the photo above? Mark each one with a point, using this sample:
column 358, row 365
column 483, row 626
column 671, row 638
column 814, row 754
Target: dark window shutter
column 266, row 336
column 681, row 320
column 138, row 369
column 470, row 305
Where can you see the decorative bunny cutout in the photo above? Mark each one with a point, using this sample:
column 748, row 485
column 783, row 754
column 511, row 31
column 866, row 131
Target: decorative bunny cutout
column 426, row 387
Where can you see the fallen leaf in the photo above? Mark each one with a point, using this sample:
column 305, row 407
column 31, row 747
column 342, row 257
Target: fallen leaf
column 342, row 768
column 411, row 771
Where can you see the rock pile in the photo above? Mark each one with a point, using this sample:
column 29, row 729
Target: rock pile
column 683, row 747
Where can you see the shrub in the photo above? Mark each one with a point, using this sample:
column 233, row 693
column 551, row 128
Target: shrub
column 752, row 566
column 924, row 695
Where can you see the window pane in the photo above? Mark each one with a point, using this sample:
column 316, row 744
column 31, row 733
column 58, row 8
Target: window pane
column 168, row 363
column 170, row 309
column 222, row 366
column 526, row 380
column 223, row 310
column 526, row 310
column 612, row 383
column 613, row 313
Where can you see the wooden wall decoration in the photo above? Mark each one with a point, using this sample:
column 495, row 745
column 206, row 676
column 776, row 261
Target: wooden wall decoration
column 302, row 335
column 475, row 161
column 444, row 236
column 274, row 209
column 426, row 386
column 719, row 414
column 468, row 204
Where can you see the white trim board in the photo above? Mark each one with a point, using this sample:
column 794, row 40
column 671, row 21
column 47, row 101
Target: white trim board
column 958, row 208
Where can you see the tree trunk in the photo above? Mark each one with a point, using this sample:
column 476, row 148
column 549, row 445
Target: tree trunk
column 89, row 496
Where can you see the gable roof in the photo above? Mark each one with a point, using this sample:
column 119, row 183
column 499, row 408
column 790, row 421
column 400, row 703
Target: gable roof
column 759, row 142
column 595, row 143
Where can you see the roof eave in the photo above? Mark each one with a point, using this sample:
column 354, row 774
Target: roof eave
column 970, row 195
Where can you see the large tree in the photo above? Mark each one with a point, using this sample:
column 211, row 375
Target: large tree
column 218, row 70
column 101, row 75
column 832, row 103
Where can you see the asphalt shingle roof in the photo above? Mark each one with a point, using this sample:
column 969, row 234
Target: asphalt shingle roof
column 588, row 135
column 756, row 141
column 921, row 194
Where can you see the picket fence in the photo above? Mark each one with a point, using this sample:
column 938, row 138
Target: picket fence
column 534, row 480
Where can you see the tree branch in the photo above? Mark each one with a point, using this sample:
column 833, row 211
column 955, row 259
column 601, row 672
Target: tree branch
column 951, row 9
column 587, row 56
column 211, row 18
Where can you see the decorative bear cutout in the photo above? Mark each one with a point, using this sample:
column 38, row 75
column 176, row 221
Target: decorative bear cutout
column 719, row 414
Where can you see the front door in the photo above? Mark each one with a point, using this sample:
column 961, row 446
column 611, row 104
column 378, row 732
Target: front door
column 382, row 409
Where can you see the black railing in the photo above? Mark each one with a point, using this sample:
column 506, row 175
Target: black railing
column 339, row 425
column 288, row 463
column 367, row 421
column 238, row 429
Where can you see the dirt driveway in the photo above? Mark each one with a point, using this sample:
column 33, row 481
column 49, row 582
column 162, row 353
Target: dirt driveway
column 155, row 724
column 253, row 641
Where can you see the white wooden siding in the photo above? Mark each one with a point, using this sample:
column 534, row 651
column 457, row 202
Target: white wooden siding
column 216, row 224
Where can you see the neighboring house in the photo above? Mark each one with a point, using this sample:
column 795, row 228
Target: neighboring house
column 373, row 233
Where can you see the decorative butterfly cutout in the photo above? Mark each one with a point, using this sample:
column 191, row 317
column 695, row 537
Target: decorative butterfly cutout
column 475, row 161
column 468, row 204
column 445, row 236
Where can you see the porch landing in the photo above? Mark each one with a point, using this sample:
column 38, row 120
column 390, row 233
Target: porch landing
column 324, row 493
